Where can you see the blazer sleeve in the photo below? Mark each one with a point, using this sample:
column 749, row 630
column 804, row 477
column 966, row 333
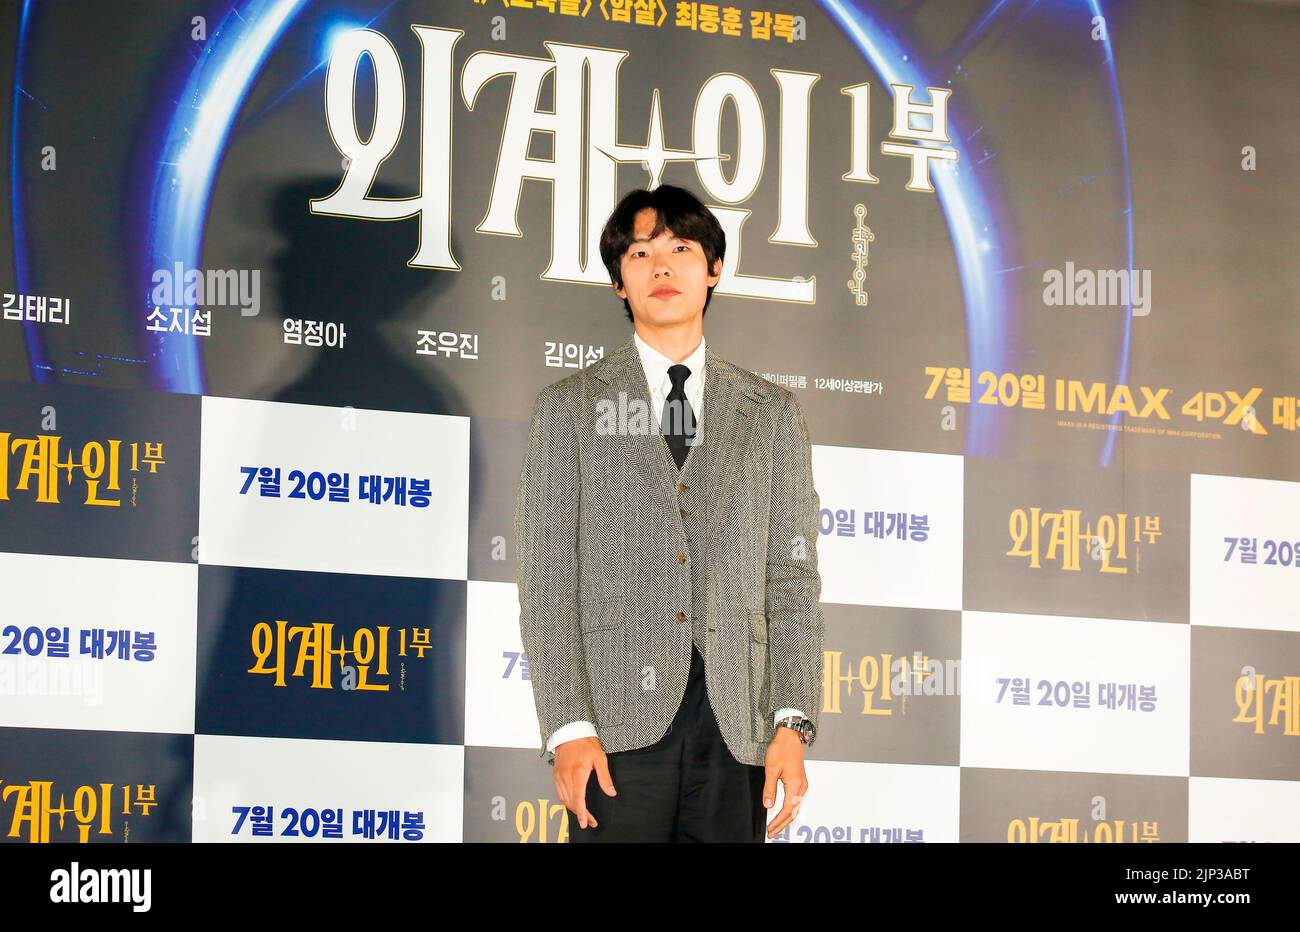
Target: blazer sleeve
column 794, row 615
column 546, row 553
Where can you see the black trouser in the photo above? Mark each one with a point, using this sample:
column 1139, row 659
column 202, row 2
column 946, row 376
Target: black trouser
column 685, row 787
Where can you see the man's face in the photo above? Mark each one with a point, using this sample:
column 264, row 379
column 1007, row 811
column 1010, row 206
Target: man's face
column 665, row 279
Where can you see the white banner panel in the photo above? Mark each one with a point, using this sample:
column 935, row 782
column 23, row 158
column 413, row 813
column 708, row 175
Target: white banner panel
column 92, row 643
column 311, row 487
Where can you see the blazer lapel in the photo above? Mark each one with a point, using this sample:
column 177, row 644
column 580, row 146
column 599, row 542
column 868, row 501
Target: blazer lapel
column 731, row 405
column 623, row 373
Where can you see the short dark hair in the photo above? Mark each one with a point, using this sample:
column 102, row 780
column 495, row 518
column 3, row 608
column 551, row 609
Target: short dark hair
column 675, row 208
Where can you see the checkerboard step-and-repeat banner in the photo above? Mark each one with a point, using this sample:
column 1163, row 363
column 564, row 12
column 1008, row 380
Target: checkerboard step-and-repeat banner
column 283, row 278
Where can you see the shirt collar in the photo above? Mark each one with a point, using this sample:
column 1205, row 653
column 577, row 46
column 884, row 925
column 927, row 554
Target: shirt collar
column 656, row 363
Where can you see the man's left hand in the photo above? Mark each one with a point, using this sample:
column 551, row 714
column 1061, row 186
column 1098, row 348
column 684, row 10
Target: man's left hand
column 785, row 763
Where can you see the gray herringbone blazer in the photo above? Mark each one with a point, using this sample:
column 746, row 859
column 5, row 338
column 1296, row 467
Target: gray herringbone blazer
column 597, row 525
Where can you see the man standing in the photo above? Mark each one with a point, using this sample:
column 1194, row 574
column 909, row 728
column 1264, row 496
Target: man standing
column 666, row 529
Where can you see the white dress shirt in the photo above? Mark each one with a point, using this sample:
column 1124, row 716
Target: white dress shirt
column 660, row 383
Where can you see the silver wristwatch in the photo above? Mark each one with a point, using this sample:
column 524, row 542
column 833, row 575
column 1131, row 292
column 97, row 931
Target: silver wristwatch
column 806, row 729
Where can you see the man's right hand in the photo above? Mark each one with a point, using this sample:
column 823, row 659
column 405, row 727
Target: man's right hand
column 574, row 762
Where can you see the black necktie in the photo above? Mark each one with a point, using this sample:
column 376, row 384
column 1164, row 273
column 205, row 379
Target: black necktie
column 677, row 423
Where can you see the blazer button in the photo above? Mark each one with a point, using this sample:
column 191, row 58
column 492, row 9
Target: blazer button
column 681, row 616
column 681, row 487
column 681, row 558
column 685, row 513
